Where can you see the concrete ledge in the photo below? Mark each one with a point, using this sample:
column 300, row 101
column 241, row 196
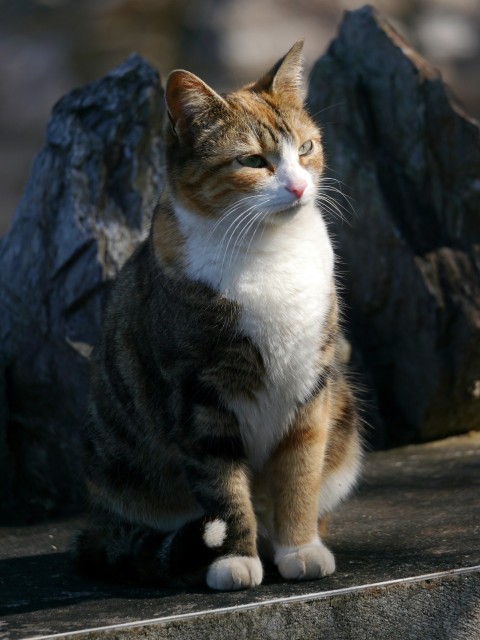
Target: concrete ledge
column 408, row 555
column 441, row 605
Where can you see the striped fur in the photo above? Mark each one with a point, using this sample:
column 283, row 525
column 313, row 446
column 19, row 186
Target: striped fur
column 221, row 425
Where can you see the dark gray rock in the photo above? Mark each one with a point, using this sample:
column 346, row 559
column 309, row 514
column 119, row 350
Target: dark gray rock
column 409, row 159
column 87, row 203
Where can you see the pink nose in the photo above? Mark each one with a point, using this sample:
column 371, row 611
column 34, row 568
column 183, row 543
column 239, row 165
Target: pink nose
column 297, row 188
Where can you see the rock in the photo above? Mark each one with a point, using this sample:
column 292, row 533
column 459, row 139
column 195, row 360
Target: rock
column 88, row 201
column 409, row 160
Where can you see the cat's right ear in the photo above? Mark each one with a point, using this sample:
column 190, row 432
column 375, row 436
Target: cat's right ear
column 190, row 103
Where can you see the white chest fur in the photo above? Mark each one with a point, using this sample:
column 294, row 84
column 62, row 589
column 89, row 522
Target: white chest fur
column 282, row 285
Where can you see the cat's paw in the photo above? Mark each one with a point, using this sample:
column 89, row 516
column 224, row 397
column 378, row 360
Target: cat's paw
column 306, row 562
column 235, row 572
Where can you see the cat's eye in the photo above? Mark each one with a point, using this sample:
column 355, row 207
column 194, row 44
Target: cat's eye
column 306, row 148
column 254, row 161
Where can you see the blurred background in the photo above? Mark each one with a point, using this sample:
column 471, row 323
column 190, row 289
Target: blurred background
column 48, row 47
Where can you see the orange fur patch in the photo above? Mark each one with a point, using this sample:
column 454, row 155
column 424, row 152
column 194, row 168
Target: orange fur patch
column 167, row 239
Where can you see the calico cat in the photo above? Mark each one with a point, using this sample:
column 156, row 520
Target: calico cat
column 221, row 425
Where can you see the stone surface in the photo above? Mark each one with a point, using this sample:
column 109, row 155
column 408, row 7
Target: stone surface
column 408, row 160
column 417, row 513
column 88, row 201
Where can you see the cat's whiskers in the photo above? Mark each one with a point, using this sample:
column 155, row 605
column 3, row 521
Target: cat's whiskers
column 246, row 221
column 234, row 209
column 326, row 188
column 328, row 183
column 261, row 235
column 261, row 215
column 331, row 106
column 237, row 224
column 331, row 204
column 237, row 246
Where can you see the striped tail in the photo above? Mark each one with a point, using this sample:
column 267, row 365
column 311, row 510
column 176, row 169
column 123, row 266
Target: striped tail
column 127, row 553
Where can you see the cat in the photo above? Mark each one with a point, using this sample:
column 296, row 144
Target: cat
column 221, row 425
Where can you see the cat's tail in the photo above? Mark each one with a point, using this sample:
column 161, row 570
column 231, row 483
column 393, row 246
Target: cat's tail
column 129, row 553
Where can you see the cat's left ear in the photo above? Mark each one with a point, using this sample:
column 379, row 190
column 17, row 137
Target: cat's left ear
column 285, row 78
column 190, row 103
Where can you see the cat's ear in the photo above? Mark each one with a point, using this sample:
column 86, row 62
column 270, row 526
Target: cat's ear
column 191, row 103
column 285, row 78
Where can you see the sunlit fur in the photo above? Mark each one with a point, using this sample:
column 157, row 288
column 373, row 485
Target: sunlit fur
column 221, row 425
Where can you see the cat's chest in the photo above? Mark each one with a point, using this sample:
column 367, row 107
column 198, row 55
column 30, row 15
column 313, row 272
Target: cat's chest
column 283, row 308
column 282, row 287
column 282, row 302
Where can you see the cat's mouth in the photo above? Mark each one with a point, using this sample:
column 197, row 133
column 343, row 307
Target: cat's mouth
column 283, row 213
column 288, row 209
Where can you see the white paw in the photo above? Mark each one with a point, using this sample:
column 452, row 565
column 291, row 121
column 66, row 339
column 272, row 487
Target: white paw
column 307, row 562
column 235, row 572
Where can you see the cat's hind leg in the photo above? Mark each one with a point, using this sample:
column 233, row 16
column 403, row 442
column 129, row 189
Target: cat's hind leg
column 343, row 457
column 130, row 553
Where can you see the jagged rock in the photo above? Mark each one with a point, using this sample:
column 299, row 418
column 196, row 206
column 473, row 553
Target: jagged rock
column 88, row 201
column 409, row 159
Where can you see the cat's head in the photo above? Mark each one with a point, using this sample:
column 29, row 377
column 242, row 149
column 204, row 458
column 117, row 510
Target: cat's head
column 254, row 149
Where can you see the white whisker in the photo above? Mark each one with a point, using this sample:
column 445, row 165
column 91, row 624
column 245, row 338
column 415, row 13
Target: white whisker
column 332, row 200
column 332, row 106
column 325, row 185
column 331, row 208
column 232, row 211
column 257, row 217
column 242, row 220
column 261, row 217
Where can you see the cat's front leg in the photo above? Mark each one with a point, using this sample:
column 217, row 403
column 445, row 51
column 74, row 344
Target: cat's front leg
column 306, row 561
column 231, row 573
column 295, row 475
column 222, row 488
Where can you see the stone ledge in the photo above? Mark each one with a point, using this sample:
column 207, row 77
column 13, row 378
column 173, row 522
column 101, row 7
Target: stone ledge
column 408, row 561
column 440, row 605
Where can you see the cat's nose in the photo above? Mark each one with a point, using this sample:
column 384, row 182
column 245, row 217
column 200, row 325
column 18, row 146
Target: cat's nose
column 297, row 188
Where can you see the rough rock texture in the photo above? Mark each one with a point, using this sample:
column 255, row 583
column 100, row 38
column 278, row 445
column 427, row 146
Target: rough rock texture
column 409, row 159
column 88, row 201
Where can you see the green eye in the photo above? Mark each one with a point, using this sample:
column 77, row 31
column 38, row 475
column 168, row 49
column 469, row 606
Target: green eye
column 306, row 148
column 254, row 162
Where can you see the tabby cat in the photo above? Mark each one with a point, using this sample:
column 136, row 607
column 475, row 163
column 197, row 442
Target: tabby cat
column 221, row 426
